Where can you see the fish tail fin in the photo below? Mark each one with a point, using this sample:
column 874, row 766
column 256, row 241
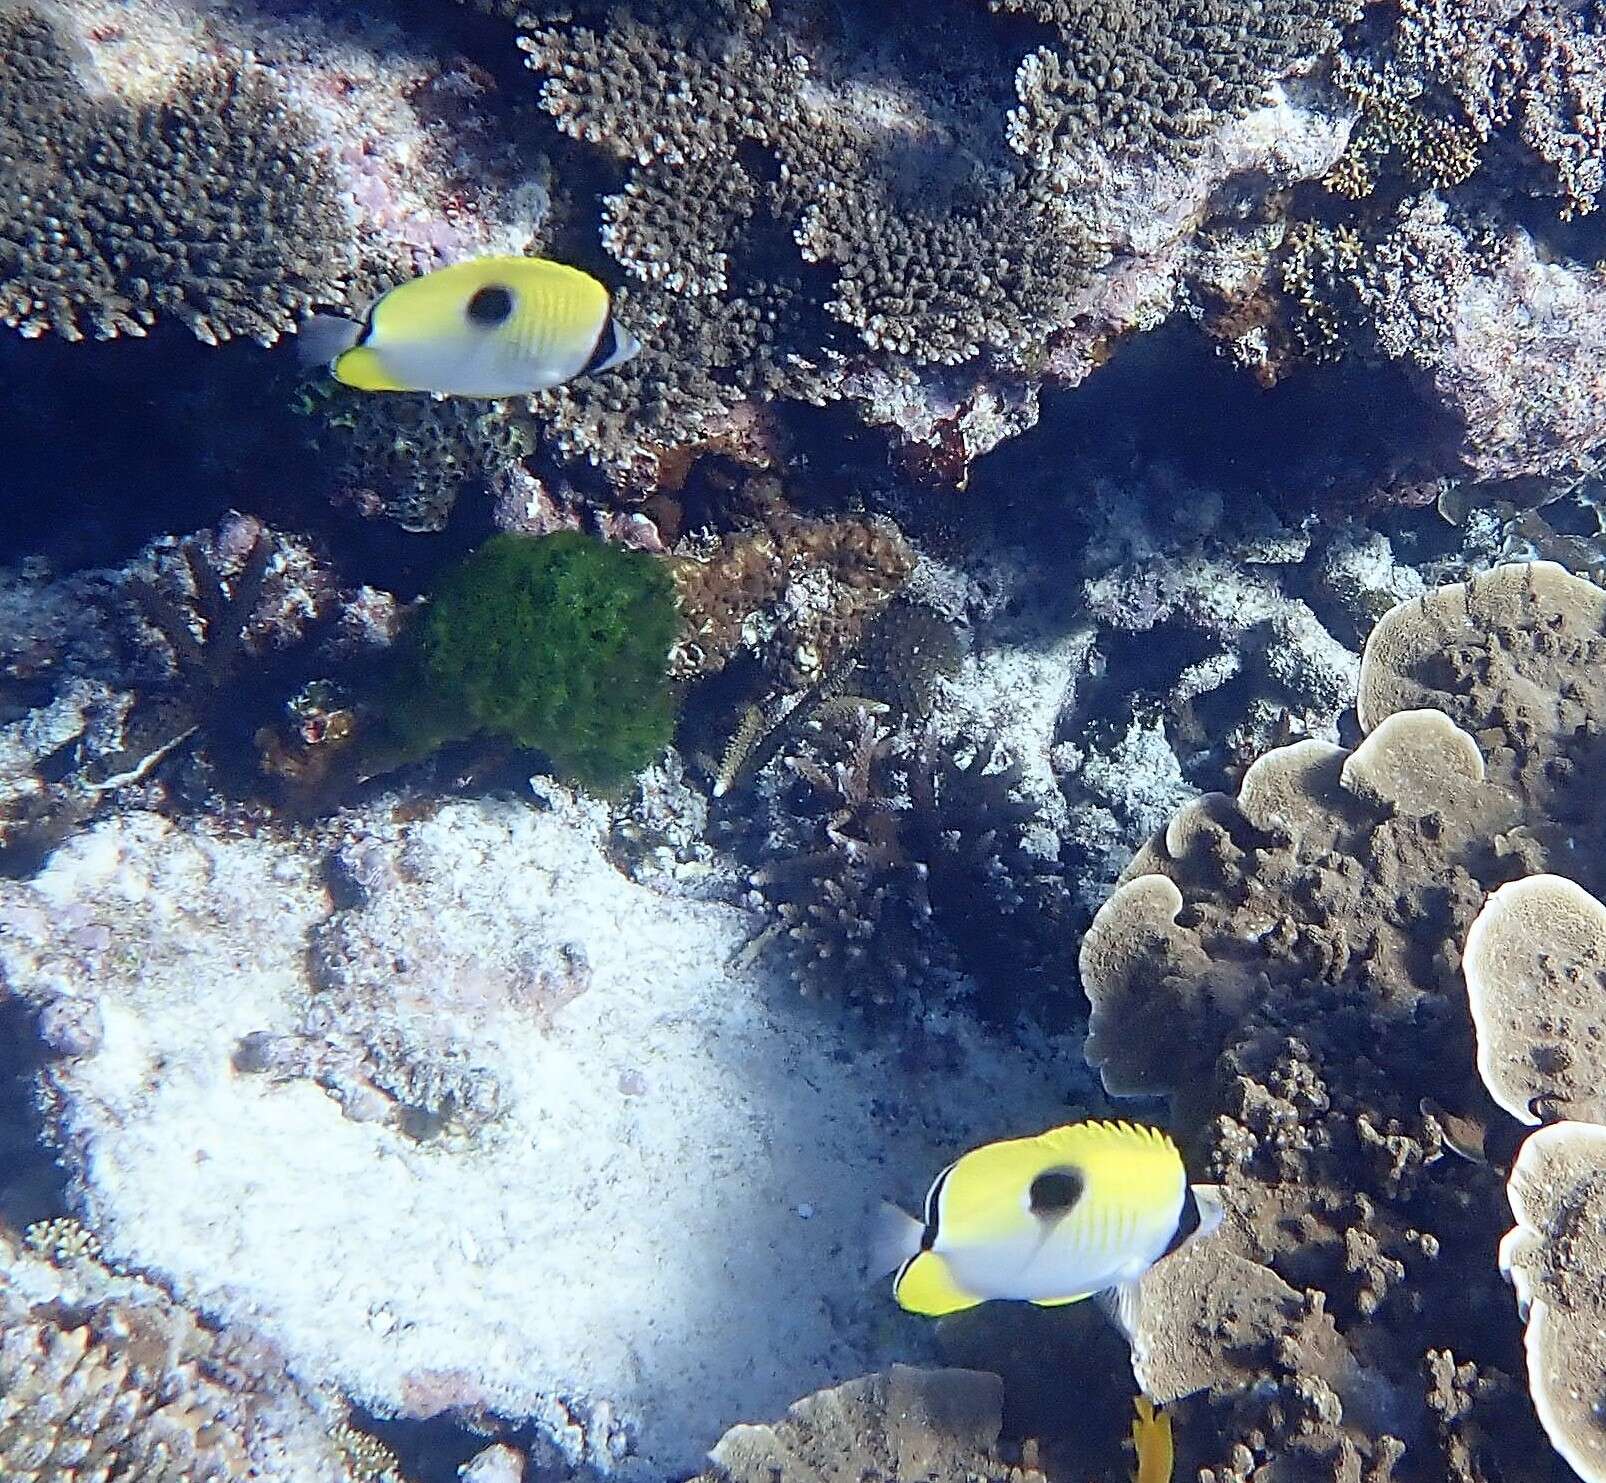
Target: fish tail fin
column 323, row 337
column 894, row 1238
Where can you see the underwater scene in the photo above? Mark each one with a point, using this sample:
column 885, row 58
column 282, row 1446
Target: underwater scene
column 802, row 741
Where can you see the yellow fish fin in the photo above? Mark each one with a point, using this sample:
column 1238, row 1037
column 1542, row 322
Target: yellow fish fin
column 1077, row 1297
column 1151, row 1442
column 362, row 368
column 925, row 1285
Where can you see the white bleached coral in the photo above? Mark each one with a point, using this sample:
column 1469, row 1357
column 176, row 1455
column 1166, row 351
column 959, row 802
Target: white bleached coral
column 680, row 1155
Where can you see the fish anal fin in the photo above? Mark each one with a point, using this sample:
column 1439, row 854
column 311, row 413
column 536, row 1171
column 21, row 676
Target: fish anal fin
column 363, row 369
column 926, row 1285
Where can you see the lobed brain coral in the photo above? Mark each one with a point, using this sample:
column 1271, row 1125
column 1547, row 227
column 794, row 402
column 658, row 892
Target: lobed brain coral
column 212, row 206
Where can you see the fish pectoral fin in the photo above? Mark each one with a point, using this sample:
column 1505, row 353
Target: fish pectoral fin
column 1061, row 1302
column 926, row 1285
column 1121, row 1306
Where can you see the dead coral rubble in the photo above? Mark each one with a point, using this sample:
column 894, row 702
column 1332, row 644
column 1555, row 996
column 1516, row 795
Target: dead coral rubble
column 212, row 206
column 1285, row 963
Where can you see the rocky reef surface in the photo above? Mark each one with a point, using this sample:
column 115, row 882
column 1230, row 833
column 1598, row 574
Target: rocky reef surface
column 1129, row 481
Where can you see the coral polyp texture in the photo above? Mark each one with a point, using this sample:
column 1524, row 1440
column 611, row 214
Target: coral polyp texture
column 213, row 205
column 558, row 642
column 1301, row 943
column 470, row 1123
column 104, row 1376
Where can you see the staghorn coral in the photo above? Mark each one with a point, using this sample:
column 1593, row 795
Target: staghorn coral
column 106, row 1377
column 422, row 1289
column 1299, row 1049
column 212, row 206
column 899, row 871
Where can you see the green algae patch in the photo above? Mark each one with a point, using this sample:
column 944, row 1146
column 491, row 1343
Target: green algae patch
column 559, row 643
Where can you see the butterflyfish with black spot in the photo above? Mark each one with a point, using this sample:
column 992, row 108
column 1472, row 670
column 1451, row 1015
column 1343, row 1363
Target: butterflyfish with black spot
column 487, row 327
column 1080, row 1211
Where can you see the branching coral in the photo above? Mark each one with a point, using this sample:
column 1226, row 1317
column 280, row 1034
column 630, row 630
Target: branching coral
column 1452, row 78
column 104, row 1377
column 897, row 871
column 212, row 206
column 1135, row 76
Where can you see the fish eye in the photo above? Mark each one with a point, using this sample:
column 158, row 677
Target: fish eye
column 1054, row 1191
column 490, row 305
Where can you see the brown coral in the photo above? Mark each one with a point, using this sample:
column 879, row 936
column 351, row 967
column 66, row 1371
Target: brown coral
column 104, row 1377
column 1297, row 948
column 796, row 591
column 212, row 206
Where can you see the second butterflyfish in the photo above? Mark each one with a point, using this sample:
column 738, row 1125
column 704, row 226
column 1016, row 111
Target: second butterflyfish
column 488, row 327
column 1080, row 1211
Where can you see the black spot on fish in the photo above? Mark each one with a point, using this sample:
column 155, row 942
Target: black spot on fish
column 490, row 305
column 1054, row 1191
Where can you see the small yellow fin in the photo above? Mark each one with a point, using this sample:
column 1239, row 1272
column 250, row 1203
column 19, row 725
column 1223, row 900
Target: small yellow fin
column 1151, row 1441
column 925, row 1285
column 1060, row 1302
column 361, row 368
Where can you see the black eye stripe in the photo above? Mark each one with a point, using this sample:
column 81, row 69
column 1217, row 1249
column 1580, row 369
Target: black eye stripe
column 928, row 1237
column 490, row 306
column 1055, row 1191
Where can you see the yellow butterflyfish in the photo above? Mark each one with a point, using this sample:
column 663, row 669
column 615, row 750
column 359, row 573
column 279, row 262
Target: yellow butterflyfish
column 488, row 327
column 1081, row 1210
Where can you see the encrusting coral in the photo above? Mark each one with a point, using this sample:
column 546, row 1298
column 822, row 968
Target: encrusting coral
column 1299, row 944
column 213, row 206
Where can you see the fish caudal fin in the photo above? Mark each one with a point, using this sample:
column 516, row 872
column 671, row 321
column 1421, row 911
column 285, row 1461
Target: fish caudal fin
column 322, row 338
column 894, row 1238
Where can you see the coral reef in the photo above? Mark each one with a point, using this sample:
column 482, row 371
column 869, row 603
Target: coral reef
column 1299, row 944
column 213, row 206
column 679, row 1127
column 906, row 1423
column 106, row 1377
column 794, row 591
column 901, row 870
column 150, row 681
